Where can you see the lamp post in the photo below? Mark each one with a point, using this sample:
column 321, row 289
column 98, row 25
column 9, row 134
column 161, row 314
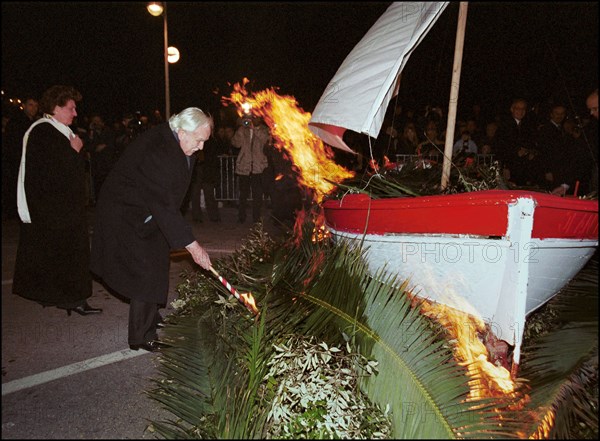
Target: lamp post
column 156, row 9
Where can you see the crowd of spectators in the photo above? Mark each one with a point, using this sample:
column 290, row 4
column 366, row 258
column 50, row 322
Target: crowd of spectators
column 546, row 147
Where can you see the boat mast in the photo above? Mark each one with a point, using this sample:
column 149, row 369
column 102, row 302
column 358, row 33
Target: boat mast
column 458, row 52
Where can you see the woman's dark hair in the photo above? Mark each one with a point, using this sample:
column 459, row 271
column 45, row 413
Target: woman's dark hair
column 58, row 96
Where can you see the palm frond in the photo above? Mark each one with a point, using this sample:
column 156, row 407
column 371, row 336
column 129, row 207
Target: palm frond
column 418, row 378
column 214, row 368
column 419, row 177
column 190, row 374
column 562, row 365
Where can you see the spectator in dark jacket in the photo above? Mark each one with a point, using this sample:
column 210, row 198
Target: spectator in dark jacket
column 516, row 146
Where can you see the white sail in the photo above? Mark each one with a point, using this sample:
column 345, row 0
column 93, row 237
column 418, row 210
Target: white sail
column 358, row 95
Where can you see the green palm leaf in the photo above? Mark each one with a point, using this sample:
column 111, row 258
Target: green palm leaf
column 562, row 365
column 425, row 388
column 213, row 370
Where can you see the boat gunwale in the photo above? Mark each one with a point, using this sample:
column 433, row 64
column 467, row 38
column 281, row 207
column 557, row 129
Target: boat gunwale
column 557, row 217
column 484, row 197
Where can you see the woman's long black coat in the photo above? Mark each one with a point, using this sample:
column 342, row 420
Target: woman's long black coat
column 130, row 249
column 53, row 257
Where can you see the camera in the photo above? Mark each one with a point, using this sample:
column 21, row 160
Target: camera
column 247, row 121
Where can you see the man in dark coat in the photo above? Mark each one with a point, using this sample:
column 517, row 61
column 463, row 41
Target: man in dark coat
column 516, row 146
column 553, row 144
column 138, row 219
column 591, row 137
column 205, row 179
column 100, row 143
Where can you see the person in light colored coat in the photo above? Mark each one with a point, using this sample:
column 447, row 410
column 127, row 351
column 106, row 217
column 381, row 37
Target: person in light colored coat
column 252, row 138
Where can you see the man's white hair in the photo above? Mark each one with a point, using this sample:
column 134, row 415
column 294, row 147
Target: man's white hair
column 190, row 119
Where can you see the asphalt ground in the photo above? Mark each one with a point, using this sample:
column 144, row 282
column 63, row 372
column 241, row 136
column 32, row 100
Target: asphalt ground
column 75, row 377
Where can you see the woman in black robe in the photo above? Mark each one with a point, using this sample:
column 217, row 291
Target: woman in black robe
column 53, row 256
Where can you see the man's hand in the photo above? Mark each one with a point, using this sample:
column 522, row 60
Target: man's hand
column 561, row 190
column 199, row 255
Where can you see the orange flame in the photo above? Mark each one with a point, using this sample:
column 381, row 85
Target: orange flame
column 248, row 301
column 545, row 426
column 288, row 125
column 300, row 218
column 320, row 231
column 488, row 380
column 387, row 164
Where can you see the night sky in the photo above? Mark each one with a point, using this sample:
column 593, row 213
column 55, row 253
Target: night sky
column 113, row 52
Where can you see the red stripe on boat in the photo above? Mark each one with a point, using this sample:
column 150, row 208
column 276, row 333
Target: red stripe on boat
column 483, row 213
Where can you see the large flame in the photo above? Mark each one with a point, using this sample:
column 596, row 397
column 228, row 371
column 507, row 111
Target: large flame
column 487, row 379
column 288, row 125
column 545, row 426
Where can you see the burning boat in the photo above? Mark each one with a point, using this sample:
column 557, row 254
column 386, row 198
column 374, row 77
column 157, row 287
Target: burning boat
column 505, row 252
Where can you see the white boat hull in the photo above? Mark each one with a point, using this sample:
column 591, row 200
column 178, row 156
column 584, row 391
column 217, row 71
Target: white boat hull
column 502, row 279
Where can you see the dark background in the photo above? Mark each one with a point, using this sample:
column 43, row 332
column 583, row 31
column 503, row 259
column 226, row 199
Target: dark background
column 113, row 52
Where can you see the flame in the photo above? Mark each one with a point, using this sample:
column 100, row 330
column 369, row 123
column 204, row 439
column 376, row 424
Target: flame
column 300, row 218
column 545, row 426
column 320, row 231
column 288, row 125
column 487, row 379
column 248, row 300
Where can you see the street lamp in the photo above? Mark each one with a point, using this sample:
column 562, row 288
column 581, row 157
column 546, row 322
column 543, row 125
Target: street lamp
column 173, row 54
column 156, row 9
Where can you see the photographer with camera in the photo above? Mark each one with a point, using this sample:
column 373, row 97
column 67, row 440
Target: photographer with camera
column 251, row 137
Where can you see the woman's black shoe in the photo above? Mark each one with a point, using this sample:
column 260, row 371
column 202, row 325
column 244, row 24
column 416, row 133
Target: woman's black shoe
column 84, row 309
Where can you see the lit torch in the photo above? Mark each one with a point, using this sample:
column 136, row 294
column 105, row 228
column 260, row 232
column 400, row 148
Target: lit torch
column 245, row 298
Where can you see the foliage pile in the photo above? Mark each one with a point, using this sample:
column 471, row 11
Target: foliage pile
column 317, row 393
column 222, row 372
column 421, row 177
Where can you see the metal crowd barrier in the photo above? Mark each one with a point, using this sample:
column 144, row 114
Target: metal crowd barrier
column 485, row 159
column 228, row 187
